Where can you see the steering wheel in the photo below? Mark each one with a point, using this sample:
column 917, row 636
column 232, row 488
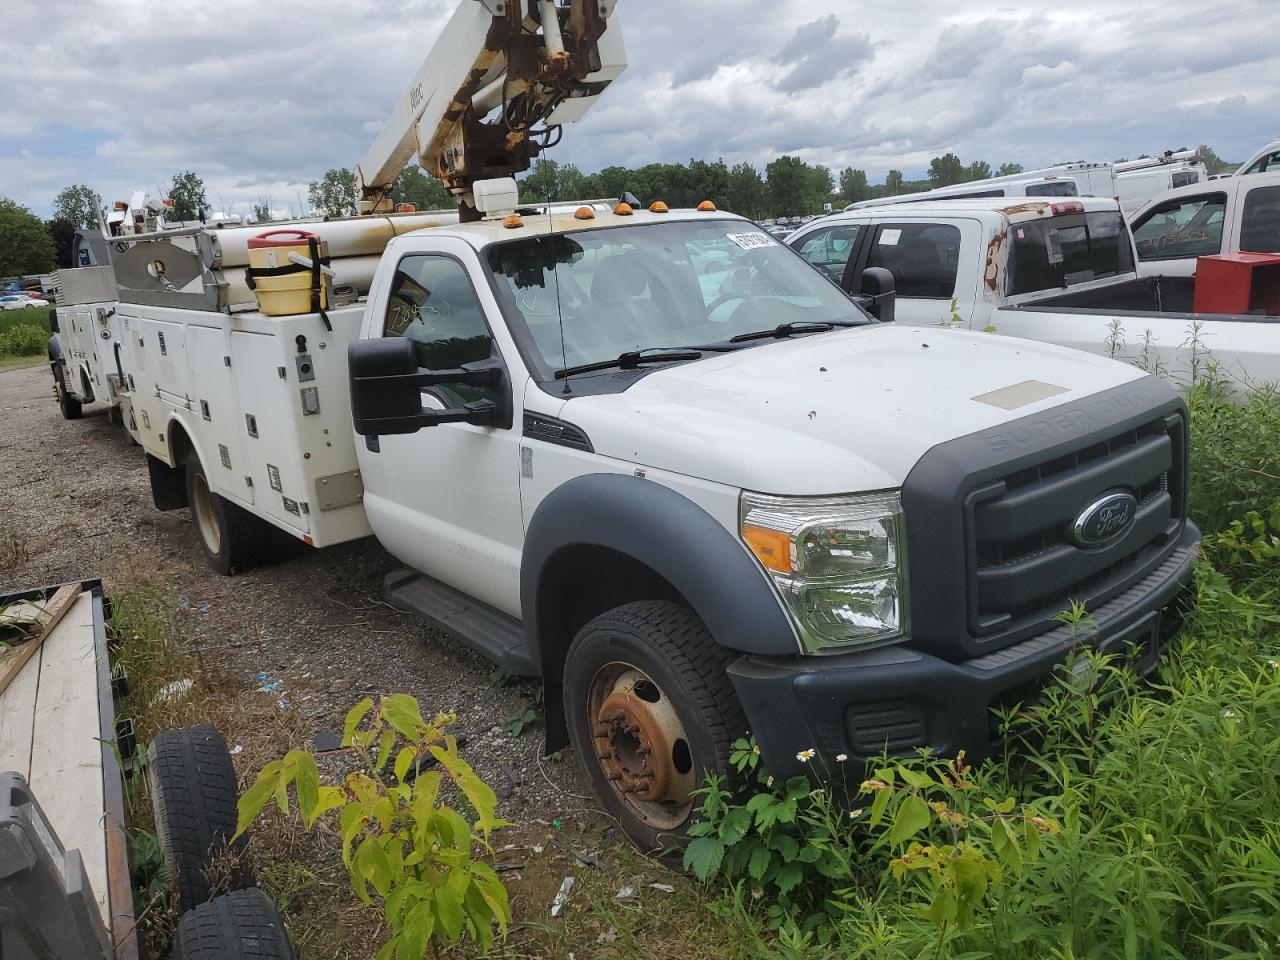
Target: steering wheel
column 721, row 300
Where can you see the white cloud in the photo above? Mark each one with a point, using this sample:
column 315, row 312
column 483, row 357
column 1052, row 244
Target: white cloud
column 259, row 99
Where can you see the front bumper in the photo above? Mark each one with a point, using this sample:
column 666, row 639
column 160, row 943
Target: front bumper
column 899, row 699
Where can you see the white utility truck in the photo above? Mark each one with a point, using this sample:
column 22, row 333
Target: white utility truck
column 1058, row 272
column 1137, row 181
column 84, row 350
column 693, row 501
column 1132, row 182
column 1224, row 216
column 1062, row 180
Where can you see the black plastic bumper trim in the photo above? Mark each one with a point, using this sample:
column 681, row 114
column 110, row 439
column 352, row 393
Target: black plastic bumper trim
column 800, row 703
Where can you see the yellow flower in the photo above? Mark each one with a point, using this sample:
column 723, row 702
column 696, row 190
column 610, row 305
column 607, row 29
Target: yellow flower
column 804, row 756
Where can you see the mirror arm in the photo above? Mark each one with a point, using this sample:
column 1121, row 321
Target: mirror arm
column 478, row 413
column 468, row 375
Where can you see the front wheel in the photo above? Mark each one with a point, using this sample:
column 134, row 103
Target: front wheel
column 651, row 712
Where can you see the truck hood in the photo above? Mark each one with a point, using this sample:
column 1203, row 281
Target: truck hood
column 851, row 410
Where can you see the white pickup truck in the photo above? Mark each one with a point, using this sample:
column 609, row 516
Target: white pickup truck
column 693, row 500
column 1060, row 272
column 1227, row 215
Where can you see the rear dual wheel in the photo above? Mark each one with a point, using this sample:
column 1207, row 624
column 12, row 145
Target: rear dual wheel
column 233, row 539
column 651, row 713
column 71, row 407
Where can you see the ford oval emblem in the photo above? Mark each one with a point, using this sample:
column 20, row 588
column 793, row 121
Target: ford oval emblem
column 1105, row 520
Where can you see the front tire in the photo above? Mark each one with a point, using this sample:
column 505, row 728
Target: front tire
column 651, row 712
column 232, row 538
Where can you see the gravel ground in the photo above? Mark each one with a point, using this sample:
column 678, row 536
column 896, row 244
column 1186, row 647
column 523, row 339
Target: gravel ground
column 75, row 503
column 77, row 498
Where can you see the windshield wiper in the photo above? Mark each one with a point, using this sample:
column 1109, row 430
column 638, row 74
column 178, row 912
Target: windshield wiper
column 781, row 332
column 633, row 359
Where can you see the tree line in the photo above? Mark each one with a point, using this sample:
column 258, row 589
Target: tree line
column 787, row 186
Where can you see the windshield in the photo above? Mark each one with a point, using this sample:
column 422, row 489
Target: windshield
column 1056, row 252
column 662, row 285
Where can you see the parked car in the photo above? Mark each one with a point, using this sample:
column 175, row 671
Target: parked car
column 1228, row 215
column 1059, row 272
column 20, row 301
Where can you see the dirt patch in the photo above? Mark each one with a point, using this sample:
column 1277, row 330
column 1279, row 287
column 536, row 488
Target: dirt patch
column 282, row 653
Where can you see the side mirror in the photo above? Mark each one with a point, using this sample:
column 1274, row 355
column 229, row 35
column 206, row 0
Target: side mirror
column 878, row 293
column 386, row 389
column 53, row 320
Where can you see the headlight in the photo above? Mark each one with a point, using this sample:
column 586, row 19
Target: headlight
column 838, row 563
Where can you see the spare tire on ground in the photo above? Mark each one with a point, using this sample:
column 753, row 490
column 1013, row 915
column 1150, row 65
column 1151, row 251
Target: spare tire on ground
column 193, row 795
column 243, row 925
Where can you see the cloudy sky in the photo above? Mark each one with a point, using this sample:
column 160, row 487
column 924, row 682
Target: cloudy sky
column 259, row 98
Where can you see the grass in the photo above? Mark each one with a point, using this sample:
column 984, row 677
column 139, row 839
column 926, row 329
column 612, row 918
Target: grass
column 23, row 334
column 8, row 362
column 35, row 316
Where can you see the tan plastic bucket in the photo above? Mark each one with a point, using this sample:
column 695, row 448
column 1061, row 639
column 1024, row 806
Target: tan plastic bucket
column 289, row 293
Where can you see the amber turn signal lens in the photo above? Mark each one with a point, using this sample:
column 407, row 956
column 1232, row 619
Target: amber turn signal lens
column 706, row 206
column 772, row 548
column 406, row 208
column 658, row 207
column 584, row 213
column 513, row 222
column 623, row 210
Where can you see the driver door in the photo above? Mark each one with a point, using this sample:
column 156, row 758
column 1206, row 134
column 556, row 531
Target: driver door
column 446, row 500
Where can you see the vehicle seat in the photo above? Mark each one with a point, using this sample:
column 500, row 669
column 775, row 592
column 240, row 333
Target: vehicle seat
column 623, row 283
column 918, row 270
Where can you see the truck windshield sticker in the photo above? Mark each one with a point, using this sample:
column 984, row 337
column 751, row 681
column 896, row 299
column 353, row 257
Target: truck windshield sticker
column 751, row 241
column 890, row 238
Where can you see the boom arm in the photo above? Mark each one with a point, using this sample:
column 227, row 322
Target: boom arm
column 499, row 69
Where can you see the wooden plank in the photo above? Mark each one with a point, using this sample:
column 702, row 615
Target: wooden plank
column 13, row 660
column 66, row 757
column 17, row 719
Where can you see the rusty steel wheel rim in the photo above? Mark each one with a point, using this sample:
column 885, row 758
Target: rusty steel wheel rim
column 641, row 745
column 203, row 509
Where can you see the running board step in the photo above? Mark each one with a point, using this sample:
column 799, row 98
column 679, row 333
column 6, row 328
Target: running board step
column 489, row 632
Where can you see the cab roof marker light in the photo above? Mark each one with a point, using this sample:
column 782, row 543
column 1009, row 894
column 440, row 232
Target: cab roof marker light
column 1074, row 206
column 406, row 208
column 513, row 222
column 623, row 210
column 584, row 213
column 706, row 206
column 659, row 207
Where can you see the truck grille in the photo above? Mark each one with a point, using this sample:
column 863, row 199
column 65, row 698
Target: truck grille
column 1025, row 566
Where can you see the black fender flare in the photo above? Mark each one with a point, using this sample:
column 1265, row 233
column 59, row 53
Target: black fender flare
column 670, row 534
column 55, row 349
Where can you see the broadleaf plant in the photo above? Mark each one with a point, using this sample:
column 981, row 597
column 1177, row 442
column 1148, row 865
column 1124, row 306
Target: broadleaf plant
column 402, row 840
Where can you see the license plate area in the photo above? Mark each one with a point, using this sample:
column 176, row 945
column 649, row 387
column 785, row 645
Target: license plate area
column 1139, row 645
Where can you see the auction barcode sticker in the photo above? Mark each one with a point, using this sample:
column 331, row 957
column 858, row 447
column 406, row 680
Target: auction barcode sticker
column 752, row 241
